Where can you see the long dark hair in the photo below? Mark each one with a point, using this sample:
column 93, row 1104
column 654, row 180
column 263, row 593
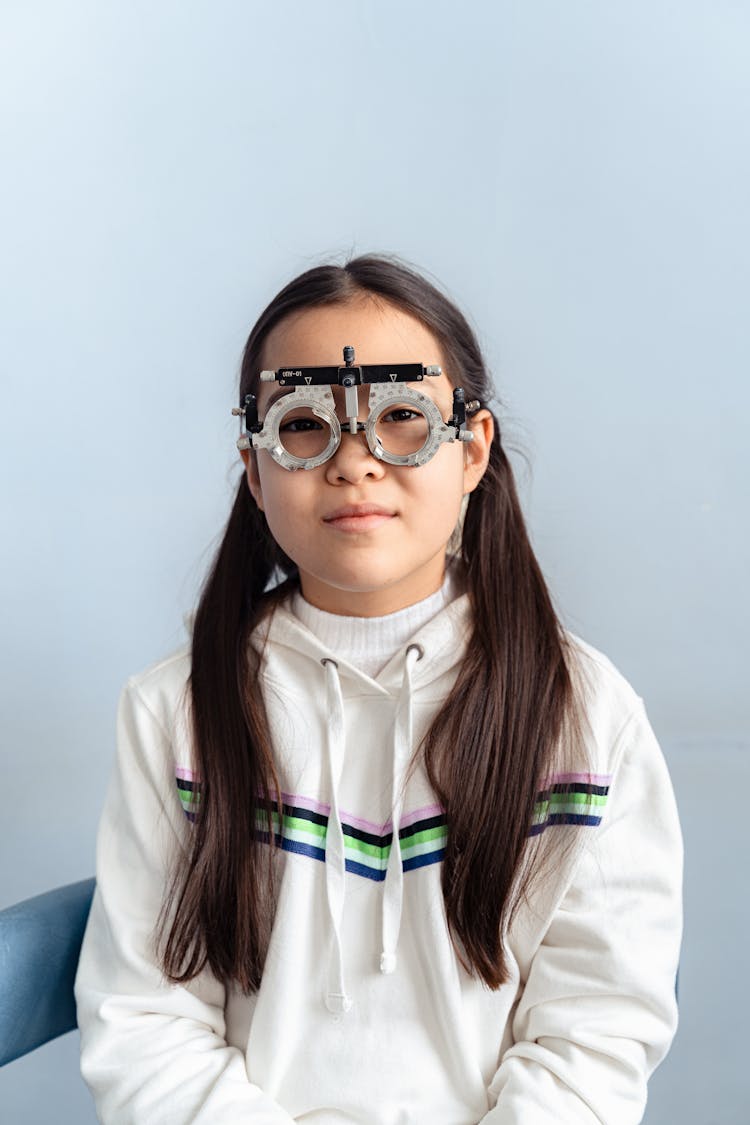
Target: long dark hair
column 513, row 707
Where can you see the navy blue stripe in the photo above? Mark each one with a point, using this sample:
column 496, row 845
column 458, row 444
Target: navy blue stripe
column 565, row 818
column 296, row 846
column 409, row 865
column 356, row 868
column 424, row 860
column 574, row 818
column 303, row 849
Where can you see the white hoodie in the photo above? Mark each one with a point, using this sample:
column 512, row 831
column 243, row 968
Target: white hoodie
column 364, row 1013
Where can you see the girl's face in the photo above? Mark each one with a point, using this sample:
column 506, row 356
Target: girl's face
column 368, row 538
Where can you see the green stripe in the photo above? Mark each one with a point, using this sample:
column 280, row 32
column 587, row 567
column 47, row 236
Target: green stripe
column 568, row 802
column 352, row 844
column 425, row 835
column 376, row 862
column 304, row 837
column 564, row 810
column 422, row 849
column 299, row 824
column 291, row 824
column 296, row 828
column 372, row 855
column 420, row 840
column 577, row 799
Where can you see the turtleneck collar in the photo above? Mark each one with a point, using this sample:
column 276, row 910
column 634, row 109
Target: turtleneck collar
column 369, row 643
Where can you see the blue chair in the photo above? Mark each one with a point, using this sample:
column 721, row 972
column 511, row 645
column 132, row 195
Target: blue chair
column 40, row 941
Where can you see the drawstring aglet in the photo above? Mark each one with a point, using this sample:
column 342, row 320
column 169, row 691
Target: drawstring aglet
column 338, row 1002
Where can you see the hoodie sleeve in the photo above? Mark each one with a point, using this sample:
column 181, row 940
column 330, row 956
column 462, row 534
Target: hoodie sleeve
column 598, row 1010
column 150, row 1050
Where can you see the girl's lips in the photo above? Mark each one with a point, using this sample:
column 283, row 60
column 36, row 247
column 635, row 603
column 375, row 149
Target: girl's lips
column 358, row 518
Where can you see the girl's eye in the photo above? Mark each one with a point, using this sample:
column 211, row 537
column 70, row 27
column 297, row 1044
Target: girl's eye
column 402, row 414
column 300, row 425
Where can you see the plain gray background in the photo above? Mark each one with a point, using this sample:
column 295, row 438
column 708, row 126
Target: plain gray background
column 576, row 174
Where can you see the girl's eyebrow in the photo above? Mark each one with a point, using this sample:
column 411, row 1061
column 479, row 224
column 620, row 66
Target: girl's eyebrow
column 279, row 394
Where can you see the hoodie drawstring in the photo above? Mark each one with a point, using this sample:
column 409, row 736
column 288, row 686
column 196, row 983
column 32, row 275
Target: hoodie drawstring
column 337, row 999
column 393, row 891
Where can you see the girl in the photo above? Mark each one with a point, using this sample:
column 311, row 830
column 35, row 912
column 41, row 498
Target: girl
column 384, row 844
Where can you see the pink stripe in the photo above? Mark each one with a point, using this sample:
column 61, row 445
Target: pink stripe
column 381, row 829
column 185, row 774
column 305, row 803
column 583, row 778
column 358, row 821
column 421, row 814
column 365, row 825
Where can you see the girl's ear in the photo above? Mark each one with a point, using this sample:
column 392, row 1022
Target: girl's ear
column 477, row 452
column 253, row 480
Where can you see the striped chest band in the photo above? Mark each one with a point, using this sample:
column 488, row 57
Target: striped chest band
column 566, row 799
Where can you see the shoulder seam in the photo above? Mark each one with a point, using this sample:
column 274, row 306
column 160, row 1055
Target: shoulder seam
column 132, row 685
column 620, row 738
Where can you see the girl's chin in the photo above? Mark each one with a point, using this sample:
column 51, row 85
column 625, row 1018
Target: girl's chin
column 372, row 590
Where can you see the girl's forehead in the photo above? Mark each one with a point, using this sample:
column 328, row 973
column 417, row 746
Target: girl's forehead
column 378, row 331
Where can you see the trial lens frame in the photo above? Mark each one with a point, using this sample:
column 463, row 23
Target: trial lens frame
column 311, row 389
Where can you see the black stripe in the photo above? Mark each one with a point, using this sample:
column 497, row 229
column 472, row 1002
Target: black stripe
column 359, row 833
column 367, row 837
column 574, row 787
column 387, row 837
column 372, row 838
column 302, row 814
column 438, row 821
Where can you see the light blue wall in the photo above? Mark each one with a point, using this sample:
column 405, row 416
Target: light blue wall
column 577, row 175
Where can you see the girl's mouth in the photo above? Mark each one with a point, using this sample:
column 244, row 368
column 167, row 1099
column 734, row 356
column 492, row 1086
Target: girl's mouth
column 358, row 517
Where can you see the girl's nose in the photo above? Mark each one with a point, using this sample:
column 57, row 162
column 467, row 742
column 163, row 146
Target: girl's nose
column 353, row 462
